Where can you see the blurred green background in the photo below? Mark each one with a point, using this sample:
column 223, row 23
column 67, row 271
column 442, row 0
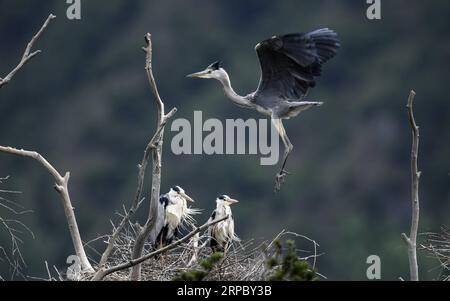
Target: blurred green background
column 86, row 105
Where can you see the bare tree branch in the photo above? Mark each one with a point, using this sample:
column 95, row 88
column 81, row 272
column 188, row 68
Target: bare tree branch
column 154, row 149
column 28, row 55
column 61, row 186
column 411, row 241
column 102, row 273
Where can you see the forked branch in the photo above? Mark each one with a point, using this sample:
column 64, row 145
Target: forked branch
column 28, row 54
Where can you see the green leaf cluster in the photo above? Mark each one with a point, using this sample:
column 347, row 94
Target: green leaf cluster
column 207, row 265
column 285, row 265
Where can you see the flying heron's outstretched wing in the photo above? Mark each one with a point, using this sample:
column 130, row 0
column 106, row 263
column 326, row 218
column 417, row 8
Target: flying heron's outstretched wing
column 160, row 220
column 290, row 62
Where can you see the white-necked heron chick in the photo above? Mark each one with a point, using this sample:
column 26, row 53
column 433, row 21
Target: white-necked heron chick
column 289, row 65
column 172, row 214
column 222, row 233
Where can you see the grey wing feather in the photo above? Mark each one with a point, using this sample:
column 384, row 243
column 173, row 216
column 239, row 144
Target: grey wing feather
column 290, row 62
column 160, row 219
column 211, row 234
column 211, row 219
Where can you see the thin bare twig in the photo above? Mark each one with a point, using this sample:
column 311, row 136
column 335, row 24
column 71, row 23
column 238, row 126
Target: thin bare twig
column 102, row 273
column 315, row 255
column 14, row 228
column 50, row 278
column 411, row 241
column 27, row 55
column 112, row 239
column 62, row 188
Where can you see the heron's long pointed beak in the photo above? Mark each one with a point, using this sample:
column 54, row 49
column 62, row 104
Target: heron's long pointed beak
column 188, row 198
column 232, row 201
column 201, row 74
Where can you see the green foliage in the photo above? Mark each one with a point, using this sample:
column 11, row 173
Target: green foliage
column 285, row 265
column 207, row 266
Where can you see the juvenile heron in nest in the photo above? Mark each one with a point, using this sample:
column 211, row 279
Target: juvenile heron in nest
column 222, row 233
column 172, row 214
column 289, row 65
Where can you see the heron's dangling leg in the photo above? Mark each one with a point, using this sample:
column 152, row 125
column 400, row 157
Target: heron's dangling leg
column 288, row 147
column 160, row 245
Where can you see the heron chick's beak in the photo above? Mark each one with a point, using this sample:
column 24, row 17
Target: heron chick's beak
column 188, row 198
column 201, row 74
column 232, row 201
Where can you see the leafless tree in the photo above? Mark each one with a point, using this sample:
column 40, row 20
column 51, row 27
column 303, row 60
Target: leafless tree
column 61, row 181
column 62, row 187
column 154, row 149
column 10, row 225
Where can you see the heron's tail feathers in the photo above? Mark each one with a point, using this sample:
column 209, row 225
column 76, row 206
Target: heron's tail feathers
column 310, row 103
column 233, row 237
column 296, row 107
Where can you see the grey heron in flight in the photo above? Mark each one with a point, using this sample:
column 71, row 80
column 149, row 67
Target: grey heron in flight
column 222, row 233
column 289, row 65
column 172, row 213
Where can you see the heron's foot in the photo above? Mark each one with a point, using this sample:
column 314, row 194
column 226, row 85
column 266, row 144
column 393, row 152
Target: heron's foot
column 279, row 179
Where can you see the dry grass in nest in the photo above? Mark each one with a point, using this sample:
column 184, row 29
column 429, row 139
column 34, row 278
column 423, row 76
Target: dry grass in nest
column 438, row 244
column 244, row 261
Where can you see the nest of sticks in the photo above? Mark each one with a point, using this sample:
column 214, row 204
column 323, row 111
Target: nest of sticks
column 438, row 245
column 242, row 261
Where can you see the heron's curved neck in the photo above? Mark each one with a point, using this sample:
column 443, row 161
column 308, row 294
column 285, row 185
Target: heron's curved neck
column 233, row 96
column 224, row 210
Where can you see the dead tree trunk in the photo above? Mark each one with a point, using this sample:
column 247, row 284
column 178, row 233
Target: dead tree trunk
column 411, row 241
column 155, row 147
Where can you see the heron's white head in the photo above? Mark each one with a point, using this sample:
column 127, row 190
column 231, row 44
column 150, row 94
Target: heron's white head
column 177, row 193
column 214, row 70
column 178, row 208
column 225, row 200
